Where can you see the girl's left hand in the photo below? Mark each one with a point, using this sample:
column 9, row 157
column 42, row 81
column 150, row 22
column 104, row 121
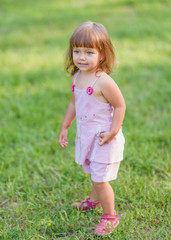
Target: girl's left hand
column 105, row 137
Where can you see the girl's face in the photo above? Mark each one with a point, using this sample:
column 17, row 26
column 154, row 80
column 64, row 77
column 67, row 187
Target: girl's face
column 86, row 59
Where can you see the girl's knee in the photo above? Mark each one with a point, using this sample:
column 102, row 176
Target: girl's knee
column 99, row 184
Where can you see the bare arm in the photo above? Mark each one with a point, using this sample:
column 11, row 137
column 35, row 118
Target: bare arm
column 70, row 113
column 67, row 121
column 111, row 92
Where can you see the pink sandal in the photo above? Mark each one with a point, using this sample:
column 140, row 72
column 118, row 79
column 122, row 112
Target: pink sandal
column 86, row 204
column 107, row 225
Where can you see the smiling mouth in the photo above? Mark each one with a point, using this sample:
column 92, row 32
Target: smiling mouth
column 83, row 64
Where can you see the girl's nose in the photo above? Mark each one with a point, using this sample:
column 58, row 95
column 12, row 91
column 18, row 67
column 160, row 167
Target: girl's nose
column 82, row 56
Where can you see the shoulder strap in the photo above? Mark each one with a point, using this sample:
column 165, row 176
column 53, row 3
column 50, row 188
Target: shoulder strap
column 76, row 75
column 96, row 79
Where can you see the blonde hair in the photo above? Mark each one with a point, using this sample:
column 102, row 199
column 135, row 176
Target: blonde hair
column 92, row 35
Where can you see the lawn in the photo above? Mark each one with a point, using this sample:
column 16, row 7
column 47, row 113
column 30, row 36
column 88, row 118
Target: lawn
column 38, row 179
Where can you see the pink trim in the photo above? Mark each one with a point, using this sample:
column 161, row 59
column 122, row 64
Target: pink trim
column 108, row 217
column 72, row 87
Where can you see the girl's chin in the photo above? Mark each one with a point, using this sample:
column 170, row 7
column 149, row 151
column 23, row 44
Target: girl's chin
column 86, row 69
column 83, row 66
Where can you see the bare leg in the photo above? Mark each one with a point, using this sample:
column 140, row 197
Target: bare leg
column 94, row 197
column 105, row 195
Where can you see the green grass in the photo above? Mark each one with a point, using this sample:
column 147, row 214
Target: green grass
column 38, row 179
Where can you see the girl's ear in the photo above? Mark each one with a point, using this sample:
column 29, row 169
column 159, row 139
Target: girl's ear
column 102, row 57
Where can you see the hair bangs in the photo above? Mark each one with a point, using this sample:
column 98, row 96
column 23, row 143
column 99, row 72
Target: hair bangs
column 84, row 38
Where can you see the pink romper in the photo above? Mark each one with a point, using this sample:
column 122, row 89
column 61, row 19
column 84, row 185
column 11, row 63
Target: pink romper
column 93, row 117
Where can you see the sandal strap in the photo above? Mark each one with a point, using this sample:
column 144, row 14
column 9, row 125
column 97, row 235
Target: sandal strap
column 107, row 225
column 109, row 217
column 90, row 205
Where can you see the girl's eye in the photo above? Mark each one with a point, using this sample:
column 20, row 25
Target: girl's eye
column 89, row 53
column 75, row 51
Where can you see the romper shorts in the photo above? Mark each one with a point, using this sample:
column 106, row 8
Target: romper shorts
column 101, row 172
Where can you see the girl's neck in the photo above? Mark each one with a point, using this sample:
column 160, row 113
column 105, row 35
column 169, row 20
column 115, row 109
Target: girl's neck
column 91, row 74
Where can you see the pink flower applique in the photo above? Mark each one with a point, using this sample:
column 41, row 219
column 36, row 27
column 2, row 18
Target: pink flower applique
column 72, row 87
column 89, row 90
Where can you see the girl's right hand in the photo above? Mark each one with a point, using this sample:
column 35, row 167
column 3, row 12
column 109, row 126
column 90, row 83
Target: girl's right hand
column 63, row 137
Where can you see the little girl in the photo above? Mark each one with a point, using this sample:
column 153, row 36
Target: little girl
column 99, row 108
